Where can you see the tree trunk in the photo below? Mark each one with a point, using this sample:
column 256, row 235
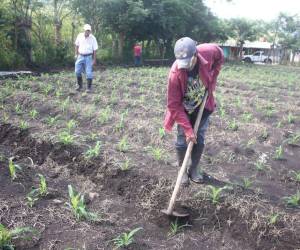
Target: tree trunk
column 121, row 40
column 58, row 25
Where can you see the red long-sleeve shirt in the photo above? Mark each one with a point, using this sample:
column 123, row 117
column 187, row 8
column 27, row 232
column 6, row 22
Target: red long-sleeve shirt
column 210, row 58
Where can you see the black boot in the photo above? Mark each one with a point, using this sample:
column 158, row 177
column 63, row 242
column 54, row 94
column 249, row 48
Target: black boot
column 79, row 82
column 180, row 158
column 89, row 85
column 193, row 171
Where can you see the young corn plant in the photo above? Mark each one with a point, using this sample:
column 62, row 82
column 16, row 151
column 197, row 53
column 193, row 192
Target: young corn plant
column 43, row 188
column 123, row 145
column 125, row 239
column 7, row 236
column 13, row 169
column 247, row 117
column 157, row 153
column 66, row 138
column 121, row 123
column 125, row 166
column 273, row 218
column 18, row 109
column 104, row 115
column 162, row 133
column 293, row 200
column 291, row 118
column 294, row 139
column 65, row 104
column 23, row 125
column 261, row 163
column 296, row 176
column 71, row 125
column 247, row 183
column 215, row 194
column 233, row 125
column 52, row 120
column 78, row 206
column 33, row 114
column 175, row 228
column 278, row 153
column 93, row 152
column 32, row 197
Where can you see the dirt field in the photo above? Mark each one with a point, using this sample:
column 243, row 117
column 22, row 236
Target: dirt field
column 252, row 148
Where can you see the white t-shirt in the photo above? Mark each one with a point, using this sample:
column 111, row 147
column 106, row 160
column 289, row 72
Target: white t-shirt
column 86, row 45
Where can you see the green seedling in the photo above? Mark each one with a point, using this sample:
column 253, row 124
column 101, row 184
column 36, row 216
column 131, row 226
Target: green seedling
column 7, row 236
column 157, row 153
column 162, row 133
column 273, row 218
column 23, row 125
column 46, row 89
column 104, row 115
column 264, row 135
column 71, row 125
column 247, row 183
column 65, row 104
column 33, row 113
column 5, row 117
column 123, row 145
column 175, row 228
column 294, row 200
column 222, row 112
column 278, row 153
column 18, row 109
column 291, row 118
column 121, row 123
column 125, row 166
column 32, row 197
column 66, row 138
column 261, row 163
column 43, row 189
column 296, row 176
column 52, row 120
column 233, row 125
column 247, row 117
column 93, row 152
column 125, row 239
column 13, row 169
column 215, row 193
column 294, row 139
column 78, row 206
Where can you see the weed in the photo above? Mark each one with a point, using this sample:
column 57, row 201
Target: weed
column 78, row 206
column 93, row 152
column 8, row 235
column 125, row 239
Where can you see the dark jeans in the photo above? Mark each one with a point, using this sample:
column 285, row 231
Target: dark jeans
column 181, row 140
column 137, row 60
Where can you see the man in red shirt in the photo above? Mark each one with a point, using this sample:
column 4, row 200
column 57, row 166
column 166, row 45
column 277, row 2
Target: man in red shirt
column 137, row 50
column 196, row 68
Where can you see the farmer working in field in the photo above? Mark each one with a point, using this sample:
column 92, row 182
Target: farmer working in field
column 85, row 54
column 196, row 68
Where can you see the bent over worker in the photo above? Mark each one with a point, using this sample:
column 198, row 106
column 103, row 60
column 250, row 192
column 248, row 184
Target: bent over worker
column 196, row 69
column 85, row 54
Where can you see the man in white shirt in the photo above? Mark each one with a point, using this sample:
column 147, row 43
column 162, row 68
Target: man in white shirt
column 85, row 54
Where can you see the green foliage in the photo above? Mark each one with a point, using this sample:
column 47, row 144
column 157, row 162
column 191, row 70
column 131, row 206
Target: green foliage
column 104, row 115
column 66, row 138
column 175, row 228
column 247, row 183
column 273, row 218
column 78, row 206
column 293, row 200
column 93, row 152
column 123, row 145
column 8, row 235
column 125, row 239
column 233, row 125
column 278, row 153
column 215, row 193
column 33, row 113
column 13, row 169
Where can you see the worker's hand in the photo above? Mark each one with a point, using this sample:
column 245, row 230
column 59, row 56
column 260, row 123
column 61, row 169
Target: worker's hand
column 192, row 138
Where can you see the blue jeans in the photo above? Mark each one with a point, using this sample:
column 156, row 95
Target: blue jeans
column 84, row 64
column 181, row 139
column 137, row 60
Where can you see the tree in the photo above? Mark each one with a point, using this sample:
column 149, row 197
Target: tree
column 242, row 30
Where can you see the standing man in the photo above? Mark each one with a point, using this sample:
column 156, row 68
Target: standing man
column 137, row 51
column 196, row 68
column 85, row 54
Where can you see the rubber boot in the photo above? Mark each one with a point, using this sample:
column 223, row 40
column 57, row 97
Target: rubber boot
column 89, row 85
column 194, row 172
column 79, row 82
column 180, row 157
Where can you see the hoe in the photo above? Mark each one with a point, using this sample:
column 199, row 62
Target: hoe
column 170, row 211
